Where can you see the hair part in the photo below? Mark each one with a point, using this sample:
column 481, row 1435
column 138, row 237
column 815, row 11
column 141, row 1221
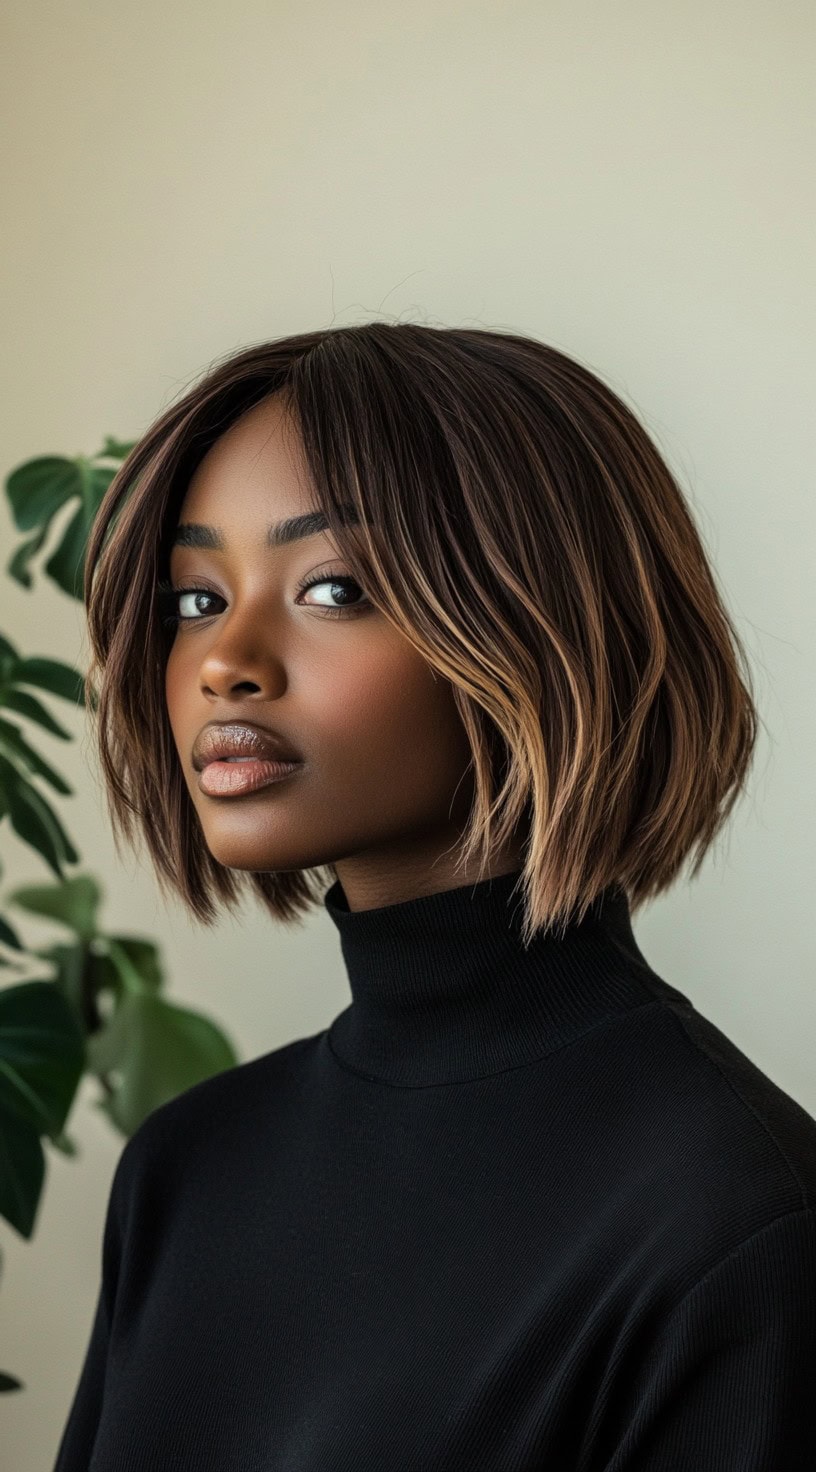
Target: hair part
column 518, row 525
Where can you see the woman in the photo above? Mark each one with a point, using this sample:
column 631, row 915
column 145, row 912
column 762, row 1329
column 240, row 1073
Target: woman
column 423, row 614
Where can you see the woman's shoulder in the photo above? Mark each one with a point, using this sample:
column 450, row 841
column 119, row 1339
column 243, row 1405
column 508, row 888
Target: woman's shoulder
column 208, row 1110
column 758, row 1128
column 709, row 1151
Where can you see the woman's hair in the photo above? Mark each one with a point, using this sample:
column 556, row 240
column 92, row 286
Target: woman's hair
column 520, row 528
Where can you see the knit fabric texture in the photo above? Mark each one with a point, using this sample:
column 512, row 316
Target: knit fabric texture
column 516, row 1209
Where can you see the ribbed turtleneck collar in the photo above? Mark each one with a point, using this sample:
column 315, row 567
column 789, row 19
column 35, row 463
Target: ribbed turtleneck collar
column 443, row 989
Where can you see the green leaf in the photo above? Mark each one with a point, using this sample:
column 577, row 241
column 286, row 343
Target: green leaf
column 64, row 1144
column 9, row 1382
column 53, row 675
column 42, row 1055
column 144, row 956
column 73, row 903
column 38, row 488
column 42, row 1059
column 34, row 830
column 117, row 449
column 74, row 973
column 18, row 565
column 66, row 565
column 120, row 964
column 22, row 1172
column 36, row 491
column 12, row 738
column 34, row 820
column 130, row 979
column 87, row 971
column 99, row 478
column 28, row 705
column 9, row 936
column 9, row 660
column 157, row 1050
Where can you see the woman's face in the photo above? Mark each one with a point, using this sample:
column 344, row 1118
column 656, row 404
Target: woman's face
column 384, row 753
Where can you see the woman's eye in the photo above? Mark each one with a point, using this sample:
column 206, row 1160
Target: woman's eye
column 184, row 605
column 171, row 600
column 193, row 609
column 335, row 582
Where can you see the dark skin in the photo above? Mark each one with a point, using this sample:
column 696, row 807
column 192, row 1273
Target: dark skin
column 385, row 786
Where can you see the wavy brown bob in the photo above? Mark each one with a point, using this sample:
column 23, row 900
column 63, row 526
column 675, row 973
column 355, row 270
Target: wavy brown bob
column 518, row 525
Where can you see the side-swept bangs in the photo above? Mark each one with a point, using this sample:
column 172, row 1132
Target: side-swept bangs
column 519, row 526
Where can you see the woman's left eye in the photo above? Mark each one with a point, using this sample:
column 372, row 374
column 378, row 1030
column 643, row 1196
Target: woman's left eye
column 168, row 598
column 335, row 580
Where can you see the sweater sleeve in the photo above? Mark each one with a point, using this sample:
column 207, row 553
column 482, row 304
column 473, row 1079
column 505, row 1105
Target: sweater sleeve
column 729, row 1385
column 76, row 1444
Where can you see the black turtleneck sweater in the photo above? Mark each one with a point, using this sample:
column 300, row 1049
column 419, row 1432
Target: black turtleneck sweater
column 513, row 1211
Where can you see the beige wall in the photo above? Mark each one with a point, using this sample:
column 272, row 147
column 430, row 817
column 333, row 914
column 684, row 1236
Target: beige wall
column 631, row 182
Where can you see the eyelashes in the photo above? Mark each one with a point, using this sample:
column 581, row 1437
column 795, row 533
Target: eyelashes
column 333, row 578
column 167, row 598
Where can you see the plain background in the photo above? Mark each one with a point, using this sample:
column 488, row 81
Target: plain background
column 630, row 182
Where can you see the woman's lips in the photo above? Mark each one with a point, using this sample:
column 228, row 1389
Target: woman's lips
column 231, row 778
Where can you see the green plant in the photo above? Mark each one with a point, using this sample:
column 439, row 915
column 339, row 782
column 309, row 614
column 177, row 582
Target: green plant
column 98, row 1010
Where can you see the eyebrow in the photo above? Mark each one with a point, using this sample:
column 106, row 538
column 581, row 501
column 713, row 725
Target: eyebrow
column 280, row 534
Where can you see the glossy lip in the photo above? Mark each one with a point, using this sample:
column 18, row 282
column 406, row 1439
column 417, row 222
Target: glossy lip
column 238, row 738
column 233, row 779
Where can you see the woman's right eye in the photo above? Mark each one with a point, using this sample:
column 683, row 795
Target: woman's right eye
column 169, row 603
column 193, row 593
